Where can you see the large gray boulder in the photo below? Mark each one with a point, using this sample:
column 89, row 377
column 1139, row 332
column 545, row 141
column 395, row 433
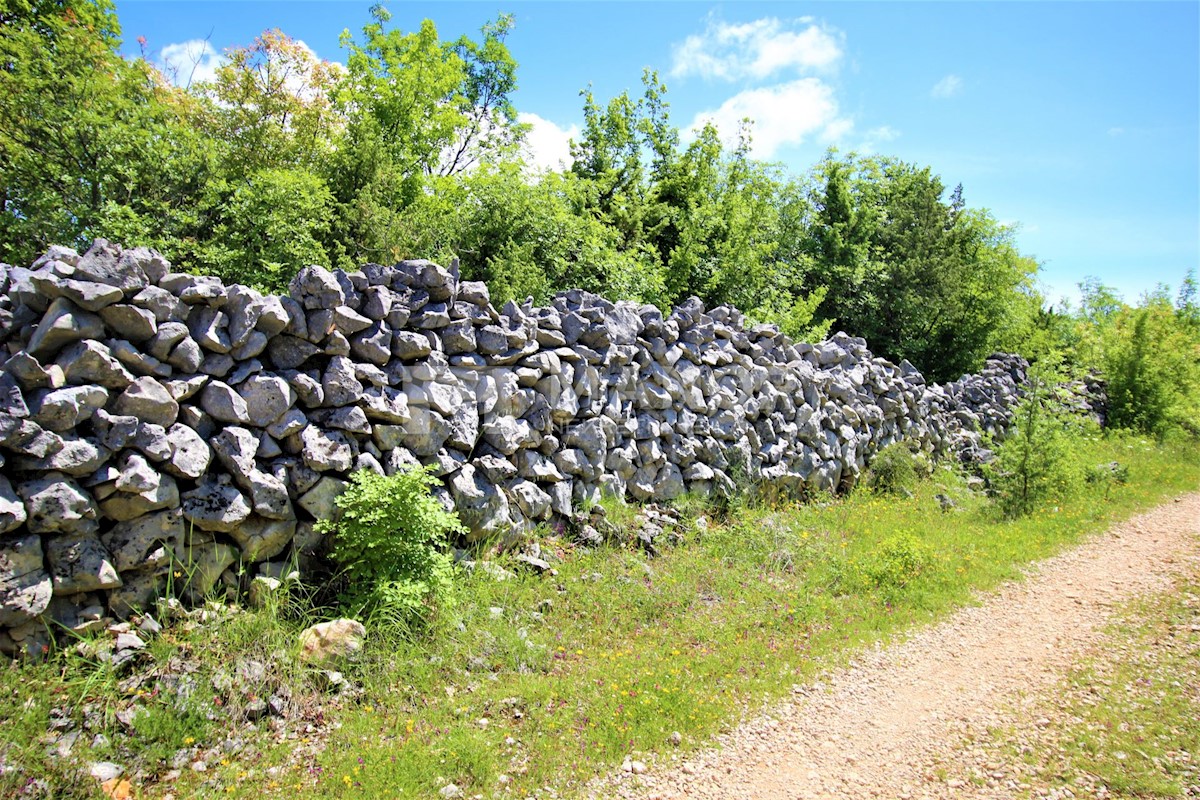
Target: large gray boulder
column 123, row 506
column 339, row 382
column 385, row 404
column 73, row 456
column 25, row 586
column 319, row 501
column 316, row 288
column 61, row 410
column 55, row 503
column 80, row 564
column 190, row 454
column 508, row 435
column 215, row 505
column 147, row 542
column 103, row 263
column 222, row 403
column 326, row 450
column 149, row 401
column 203, row 564
column 90, row 361
column 236, row 448
column 88, row 296
column 130, row 322
column 261, row 539
column 481, row 506
column 269, row 496
column 425, row 432
column 62, row 324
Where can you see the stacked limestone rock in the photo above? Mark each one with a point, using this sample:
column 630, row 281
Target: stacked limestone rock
column 159, row 427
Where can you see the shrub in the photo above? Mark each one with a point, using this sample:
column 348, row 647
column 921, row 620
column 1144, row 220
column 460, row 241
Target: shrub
column 1152, row 363
column 1035, row 463
column 389, row 538
column 898, row 561
column 894, row 470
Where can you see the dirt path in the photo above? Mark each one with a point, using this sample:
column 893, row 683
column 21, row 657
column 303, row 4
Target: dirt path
column 882, row 727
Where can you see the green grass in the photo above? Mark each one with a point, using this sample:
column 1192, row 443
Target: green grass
column 1126, row 722
column 540, row 683
column 1136, row 723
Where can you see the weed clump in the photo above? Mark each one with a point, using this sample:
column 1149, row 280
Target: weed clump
column 895, row 470
column 389, row 539
column 897, row 561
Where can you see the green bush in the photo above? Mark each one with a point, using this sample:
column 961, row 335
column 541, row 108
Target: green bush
column 1035, row 463
column 389, row 538
column 895, row 470
column 897, row 561
column 1152, row 363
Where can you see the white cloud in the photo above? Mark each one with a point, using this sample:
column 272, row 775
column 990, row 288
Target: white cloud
column 875, row 137
column 785, row 114
column 190, row 62
column 1116, row 131
column 757, row 49
column 947, row 87
column 884, row 133
column 547, row 145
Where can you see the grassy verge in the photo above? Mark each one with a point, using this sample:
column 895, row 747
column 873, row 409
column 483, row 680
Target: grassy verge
column 532, row 685
column 1125, row 724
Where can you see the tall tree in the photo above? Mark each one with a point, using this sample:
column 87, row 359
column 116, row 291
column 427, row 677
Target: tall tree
column 272, row 106
column 82, row 128
column 918, row 277
column 415, row 108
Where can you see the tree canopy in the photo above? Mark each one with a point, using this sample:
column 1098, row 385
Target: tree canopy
column 413, row 150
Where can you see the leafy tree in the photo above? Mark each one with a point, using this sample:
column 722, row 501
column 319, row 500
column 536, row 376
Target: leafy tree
column 83, row 129
column 841, row 235
column 414, row 107
column 918, row 277
column 490, row 128
column 1149, row 356
column 717, row 215
column 272, row 106
column 273, row 222
column 525, row 238
column 1034, row 464
column 702, row 217
column 1152, row 364
column 1186, row 306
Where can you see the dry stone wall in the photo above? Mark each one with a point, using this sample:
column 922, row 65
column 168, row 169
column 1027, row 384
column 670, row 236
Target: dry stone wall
column 159, row 428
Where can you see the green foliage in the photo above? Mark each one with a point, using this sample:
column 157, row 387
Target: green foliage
column 270, row 224
column 413, row 151
column 524, row 237
column 1148, row 354
column 414, row 108
column 1152, row 364
column 794, row 315
column 389, row 538
column 82, row 126
column 897, row 561
column 271, row 107
column 894, row 470
column 1035, row 463
column 919, row 277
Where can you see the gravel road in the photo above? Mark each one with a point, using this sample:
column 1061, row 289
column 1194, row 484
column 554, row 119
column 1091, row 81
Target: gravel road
column 886, row 726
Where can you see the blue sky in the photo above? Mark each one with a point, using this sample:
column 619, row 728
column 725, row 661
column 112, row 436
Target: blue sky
column 1079, row 121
